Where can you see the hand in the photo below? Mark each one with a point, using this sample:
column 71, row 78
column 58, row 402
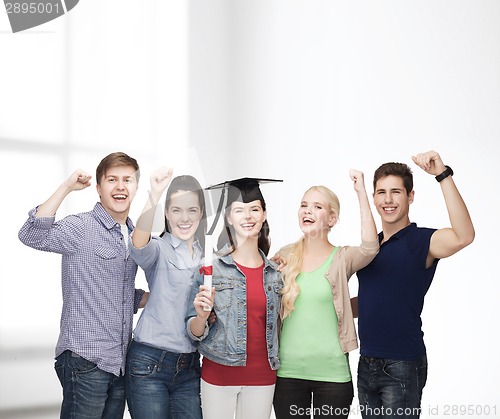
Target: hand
column 358, row 178
column 279, row 260
column 204, row 301
column 430, row 162
column 78, row 180
column 212, row 318
column 160, row 179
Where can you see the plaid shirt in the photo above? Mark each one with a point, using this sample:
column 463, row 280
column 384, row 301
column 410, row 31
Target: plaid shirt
column 97, row 283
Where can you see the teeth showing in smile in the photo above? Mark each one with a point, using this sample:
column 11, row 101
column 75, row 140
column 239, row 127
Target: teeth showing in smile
column 248, row 225
column 307, row 220
column 389, row 210
column 120, row 197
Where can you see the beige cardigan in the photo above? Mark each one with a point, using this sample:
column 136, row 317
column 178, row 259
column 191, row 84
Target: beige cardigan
column 346, row 261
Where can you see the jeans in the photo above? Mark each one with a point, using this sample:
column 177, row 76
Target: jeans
column 88, row 392
column 162, row 384
column 297, row 398
column 389, row 388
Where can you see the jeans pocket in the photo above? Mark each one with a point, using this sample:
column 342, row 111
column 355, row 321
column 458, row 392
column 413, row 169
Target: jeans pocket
column 80, row 365
column 224, row 291
column 397, row 370
column 139, row 368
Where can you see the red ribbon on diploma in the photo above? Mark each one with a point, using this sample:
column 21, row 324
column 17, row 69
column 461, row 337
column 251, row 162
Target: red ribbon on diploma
column 206, row 270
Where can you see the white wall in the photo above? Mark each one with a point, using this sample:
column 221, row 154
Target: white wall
column 297, row 90
column 312, row 88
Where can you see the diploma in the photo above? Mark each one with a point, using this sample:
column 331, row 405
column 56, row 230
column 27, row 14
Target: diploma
column 207, row 267
column 207, row 264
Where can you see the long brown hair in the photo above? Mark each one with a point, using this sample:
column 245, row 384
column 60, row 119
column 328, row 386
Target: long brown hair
column 227, row 234
column 187, row 183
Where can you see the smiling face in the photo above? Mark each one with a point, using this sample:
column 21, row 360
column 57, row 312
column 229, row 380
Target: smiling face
column 117, row 189
column 392, row 201
column 315, row 216
column 184, row 215
column 246, row 219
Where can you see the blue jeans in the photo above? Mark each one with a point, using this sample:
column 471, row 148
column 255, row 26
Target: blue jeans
column 162, row 384
column 389, row 388
column 88, row 392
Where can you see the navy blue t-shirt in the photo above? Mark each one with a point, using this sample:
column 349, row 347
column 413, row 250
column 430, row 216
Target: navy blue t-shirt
column 391, row 296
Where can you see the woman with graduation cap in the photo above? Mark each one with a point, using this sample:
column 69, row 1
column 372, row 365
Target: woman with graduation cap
column 240, row 349
column 318, row 326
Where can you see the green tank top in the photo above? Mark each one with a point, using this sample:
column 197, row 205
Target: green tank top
column 309, row 342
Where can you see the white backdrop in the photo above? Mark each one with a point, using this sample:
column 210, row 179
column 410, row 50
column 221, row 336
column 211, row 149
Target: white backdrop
column 296, row 90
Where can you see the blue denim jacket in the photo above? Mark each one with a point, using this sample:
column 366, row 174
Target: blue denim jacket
column 224, row 341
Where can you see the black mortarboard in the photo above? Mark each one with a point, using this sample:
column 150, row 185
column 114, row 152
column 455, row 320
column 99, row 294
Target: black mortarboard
column 243, row 190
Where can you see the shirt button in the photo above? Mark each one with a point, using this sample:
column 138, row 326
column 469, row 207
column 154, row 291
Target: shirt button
column 269, row 288
column 271, row 307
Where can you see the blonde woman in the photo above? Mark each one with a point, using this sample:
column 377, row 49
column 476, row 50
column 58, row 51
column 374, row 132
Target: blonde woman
column 317, row 321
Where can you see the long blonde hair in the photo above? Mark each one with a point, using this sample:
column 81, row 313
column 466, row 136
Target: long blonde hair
column 293, row 254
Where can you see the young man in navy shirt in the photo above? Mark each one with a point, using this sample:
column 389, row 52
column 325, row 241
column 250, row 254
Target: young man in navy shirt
column 392, row 368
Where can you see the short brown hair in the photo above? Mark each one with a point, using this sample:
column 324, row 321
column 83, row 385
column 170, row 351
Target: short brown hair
column 114, row 160
column 401, row 170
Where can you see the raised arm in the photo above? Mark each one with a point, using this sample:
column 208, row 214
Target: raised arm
column 77, row 181
column 447, row 241
column 368, row 227
column 159, row 181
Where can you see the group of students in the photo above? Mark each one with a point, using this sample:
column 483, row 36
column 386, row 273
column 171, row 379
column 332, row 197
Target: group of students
column 272, row 332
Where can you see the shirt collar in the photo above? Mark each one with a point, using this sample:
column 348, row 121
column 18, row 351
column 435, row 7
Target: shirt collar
column 105, row 218
column 399, row 234
column 175, row 242
column 227, row 258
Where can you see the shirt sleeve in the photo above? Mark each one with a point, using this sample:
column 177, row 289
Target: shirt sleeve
column 46, row 234
column 357, row 257
column 146, row 256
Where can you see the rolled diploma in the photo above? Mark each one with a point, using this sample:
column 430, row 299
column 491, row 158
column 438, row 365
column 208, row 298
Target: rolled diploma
column 207, row 279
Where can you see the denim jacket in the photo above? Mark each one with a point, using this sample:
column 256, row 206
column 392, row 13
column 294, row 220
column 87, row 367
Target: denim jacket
column 224, row 341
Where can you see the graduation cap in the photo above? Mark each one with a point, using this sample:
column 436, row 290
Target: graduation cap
column 239, row 190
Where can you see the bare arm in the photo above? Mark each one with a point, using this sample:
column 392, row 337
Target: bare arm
column 144, row 299
column 77, row 181
column 159, row 181
column 368, row 227
column 447, row 241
